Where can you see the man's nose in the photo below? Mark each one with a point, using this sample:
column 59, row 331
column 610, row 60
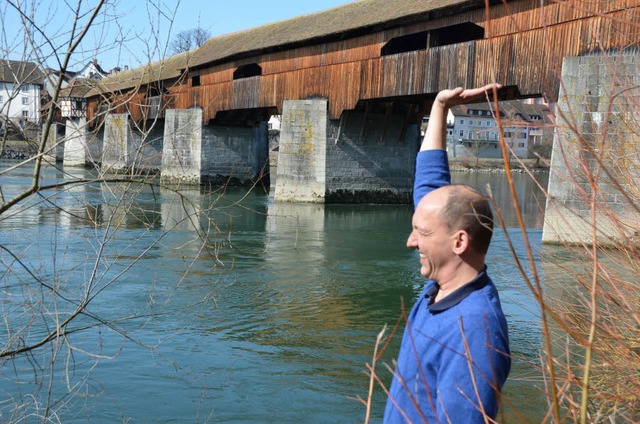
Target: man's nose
column 412, row 241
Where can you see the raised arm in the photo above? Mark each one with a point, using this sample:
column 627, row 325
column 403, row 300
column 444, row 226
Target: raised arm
column 432, row 169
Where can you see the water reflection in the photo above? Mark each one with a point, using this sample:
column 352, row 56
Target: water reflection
column 528, row 190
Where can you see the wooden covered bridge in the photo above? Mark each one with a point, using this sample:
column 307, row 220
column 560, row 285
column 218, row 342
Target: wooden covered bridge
column 351, row 84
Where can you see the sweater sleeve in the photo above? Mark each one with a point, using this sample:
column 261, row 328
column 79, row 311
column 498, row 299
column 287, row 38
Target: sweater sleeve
column 432, row 172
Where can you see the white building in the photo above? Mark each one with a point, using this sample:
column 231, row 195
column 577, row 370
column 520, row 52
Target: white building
column 20, row 85
column 275, row 122
column 90, row 71
column 474, row 132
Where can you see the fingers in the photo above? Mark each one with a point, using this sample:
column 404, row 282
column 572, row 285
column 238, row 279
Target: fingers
column 459, row 95
column 473, row 93
column 450, row 97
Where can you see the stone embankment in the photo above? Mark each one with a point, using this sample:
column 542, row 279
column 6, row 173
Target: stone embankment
column 497, row 165
column 17, row 150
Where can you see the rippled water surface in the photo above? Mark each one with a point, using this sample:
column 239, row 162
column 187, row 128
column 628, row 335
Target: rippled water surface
column 226, row 306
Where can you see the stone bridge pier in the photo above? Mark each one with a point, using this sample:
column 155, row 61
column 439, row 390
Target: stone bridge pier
column 186, row 151
column 80, row 148
column 595, row 165
column 364, row 157
column 54, row 148
column 194, row 153
column 131, row 147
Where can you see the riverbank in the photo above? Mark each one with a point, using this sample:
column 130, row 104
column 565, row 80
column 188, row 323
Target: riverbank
column 17, row 149
column 497, row 165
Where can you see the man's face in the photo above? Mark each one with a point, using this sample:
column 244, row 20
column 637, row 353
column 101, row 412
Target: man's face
column 430, row 237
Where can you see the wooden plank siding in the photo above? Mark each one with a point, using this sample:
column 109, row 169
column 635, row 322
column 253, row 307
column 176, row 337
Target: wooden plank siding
column 523, row 47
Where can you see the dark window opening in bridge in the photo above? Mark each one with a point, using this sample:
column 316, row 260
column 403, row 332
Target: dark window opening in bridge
column 246, row 71
column 455, row 34
column 195, row 81
column 156, row 90
column 406, row 43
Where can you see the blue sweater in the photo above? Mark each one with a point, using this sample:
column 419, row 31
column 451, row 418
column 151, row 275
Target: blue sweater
column 454, row 356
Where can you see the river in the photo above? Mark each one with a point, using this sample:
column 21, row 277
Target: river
column 271, row 319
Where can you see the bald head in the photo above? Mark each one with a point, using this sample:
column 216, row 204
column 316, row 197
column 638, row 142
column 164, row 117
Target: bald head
column 463, row 208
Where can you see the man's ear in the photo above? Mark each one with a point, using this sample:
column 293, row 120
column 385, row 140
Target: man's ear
column 461, row 242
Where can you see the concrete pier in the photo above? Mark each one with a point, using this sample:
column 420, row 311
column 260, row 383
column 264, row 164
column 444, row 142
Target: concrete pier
column 181, row 153
column 595, row 168
column 363, row 157
column 75, row 142
column 54, row 148
column 302, row 152
column 117, row 149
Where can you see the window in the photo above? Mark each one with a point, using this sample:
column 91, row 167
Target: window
column 25, row 100
column 246, row 71
column 24, row 88
column 195, row 81
column 462, row 121
column 405, row 43
column 455, row 34
column 1, row 100
column 520, row 144
column 461, row 133
column 25, row 113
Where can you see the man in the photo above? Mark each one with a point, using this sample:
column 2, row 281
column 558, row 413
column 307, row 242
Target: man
column 454, row 356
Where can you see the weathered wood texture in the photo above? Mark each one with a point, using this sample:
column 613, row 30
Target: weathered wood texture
column 523, row 47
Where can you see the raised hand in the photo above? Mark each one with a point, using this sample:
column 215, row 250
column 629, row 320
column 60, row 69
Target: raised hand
column 435, row 136
column 459, row 95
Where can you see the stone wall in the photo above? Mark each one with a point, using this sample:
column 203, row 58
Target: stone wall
column 595, row 162
column 376, row 165
column 234, row 155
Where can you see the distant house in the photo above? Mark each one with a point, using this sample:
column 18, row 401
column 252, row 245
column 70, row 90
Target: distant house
column 71, row 98
column 275, row 122
column 20, row 86
column 91, row 71
column 75, row 84
column 474, row 131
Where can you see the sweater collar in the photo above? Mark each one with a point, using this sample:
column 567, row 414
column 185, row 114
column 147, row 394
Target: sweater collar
column 481, row 280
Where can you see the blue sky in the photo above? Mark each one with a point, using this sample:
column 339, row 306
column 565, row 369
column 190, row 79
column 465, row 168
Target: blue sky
column 133, row 32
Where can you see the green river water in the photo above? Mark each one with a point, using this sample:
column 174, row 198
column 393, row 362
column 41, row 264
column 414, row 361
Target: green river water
column 270, row 320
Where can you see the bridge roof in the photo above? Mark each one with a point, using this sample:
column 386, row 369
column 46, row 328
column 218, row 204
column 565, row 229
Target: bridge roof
column 349, row 19
column 307, row 29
